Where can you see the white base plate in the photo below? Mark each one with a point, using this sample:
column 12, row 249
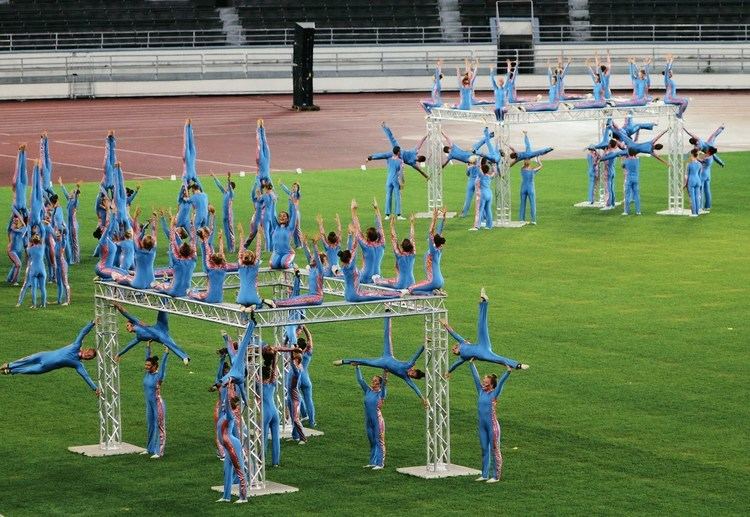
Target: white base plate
column 448, row 470
column 607, row 208
column 586, row 204
column 96, row 451
column 679, row 211
column 271, row 488
column 510, row 224
column 286, row 432
column 428, row 215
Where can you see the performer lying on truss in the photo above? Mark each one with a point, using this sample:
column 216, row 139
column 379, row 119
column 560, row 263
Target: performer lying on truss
column 159, row 332
column 402, row 369
column 375, row 395
column 482, row 350
column 404, row 254
column 70, row 356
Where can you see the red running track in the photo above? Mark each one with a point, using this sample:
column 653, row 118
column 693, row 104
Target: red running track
column 149, row 132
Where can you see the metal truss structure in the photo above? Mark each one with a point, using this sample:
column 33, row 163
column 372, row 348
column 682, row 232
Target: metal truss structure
column 430, row 308
column 516, row 117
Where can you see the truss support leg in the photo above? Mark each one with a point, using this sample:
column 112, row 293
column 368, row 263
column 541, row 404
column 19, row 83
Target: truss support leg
column 252, row 425
column 434, row 168
column 110, row 423
column 503, row 214
column 675, row 159
column 438, row 414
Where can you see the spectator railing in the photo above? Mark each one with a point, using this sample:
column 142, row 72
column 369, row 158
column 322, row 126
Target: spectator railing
column 472, row 35
column 341, row 62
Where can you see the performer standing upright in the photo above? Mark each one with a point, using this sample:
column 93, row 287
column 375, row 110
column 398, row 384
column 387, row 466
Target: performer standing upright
column 375, row 395
column 156, row 410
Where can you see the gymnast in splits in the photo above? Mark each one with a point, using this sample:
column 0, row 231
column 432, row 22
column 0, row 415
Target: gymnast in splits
column 455, row 152
column 352, row 290
column 375, row 394
column 488, row 390
column 70, row 356
column 704, row 145
column 528, row 153
column 404, row 254
column 411, row 157
column 435, row 100
column 482, row 349
column 403, row 369
column 159, row 333
column 553, row 101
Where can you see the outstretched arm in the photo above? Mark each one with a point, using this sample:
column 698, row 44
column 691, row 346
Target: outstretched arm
column 361, row 380
column 83, row 333
column 85, row 375
column 163, row 368
column 127, row 348
column 499, row 389
column 416, row 355
column 414, row 387
column 127, row 315
column 475, row 376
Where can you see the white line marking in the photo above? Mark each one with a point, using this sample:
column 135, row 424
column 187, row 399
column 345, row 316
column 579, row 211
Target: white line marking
column 120, row 150
column 138, row 174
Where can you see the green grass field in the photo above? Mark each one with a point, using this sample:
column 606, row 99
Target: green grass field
column 636, row 330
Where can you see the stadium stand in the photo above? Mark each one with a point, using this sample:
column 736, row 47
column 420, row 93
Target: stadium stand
column 549, row 12
column 44, row 16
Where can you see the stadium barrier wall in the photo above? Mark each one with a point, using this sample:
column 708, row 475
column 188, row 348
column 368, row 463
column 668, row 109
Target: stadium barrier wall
column 364, row 69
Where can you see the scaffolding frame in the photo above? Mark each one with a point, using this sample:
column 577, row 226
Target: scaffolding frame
column 514, row 117
column 431, row 308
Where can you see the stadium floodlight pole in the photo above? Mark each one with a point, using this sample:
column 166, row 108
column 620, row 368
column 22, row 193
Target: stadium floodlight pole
column 430, row 308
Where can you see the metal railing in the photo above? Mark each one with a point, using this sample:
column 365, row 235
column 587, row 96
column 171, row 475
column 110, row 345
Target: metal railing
column 472, row 35
column 337, row 62
column 247, row 37
column 641, row 33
